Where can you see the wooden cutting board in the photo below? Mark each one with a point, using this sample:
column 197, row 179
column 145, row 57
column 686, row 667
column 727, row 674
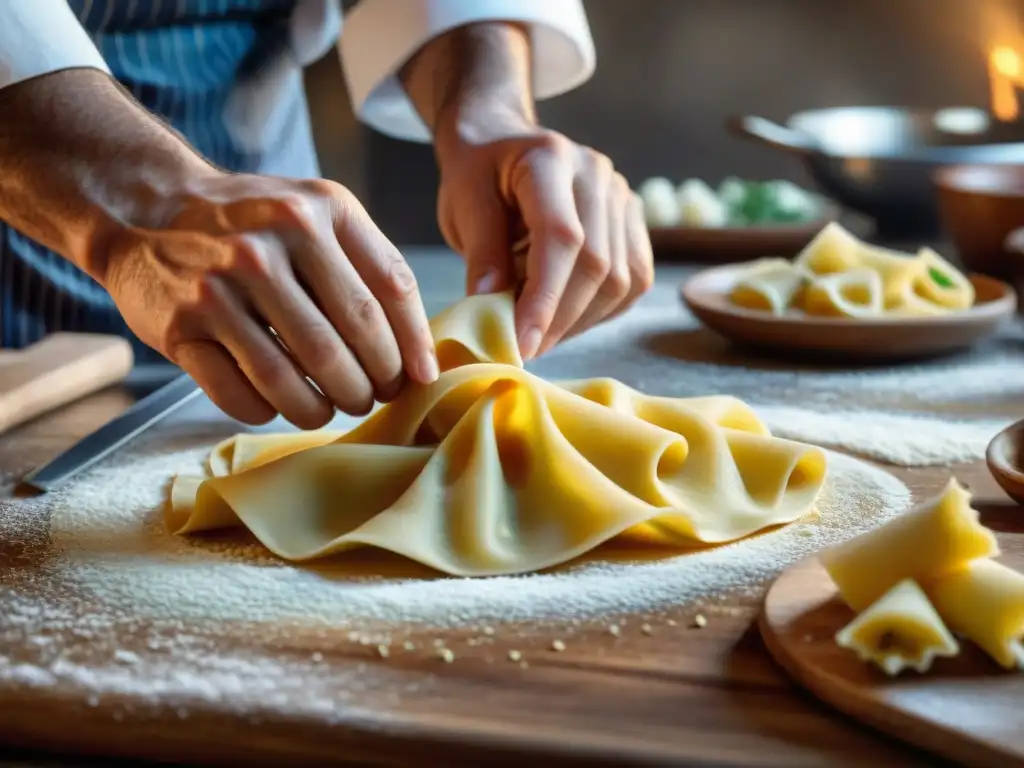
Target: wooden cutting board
column 965, row 709
column 56, row 371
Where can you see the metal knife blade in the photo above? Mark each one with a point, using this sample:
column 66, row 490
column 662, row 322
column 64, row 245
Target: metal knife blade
column 114, row 434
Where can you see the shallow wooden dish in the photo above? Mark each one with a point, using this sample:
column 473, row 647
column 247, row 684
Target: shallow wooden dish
column 725, row 245
column 1003, row 457
column 965, row 708
column 707, row 296
column 982, row 206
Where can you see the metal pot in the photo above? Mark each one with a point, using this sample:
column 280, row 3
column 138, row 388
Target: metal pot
column 879, row 161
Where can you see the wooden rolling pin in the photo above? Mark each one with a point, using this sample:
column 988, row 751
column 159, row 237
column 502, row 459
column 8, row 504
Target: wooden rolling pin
column 58, row 370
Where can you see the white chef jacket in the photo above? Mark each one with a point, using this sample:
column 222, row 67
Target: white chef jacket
column 41, row 36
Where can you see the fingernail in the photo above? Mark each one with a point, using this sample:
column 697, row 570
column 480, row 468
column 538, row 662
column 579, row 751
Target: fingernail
column 487, row 282
column 429, row 369
column 528, row 342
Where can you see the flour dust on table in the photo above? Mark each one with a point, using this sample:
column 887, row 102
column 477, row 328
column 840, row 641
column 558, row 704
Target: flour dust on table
column 114, row 550
column 122, row 613
column 916, row 414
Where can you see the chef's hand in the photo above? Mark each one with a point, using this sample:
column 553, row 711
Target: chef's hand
column 504, row 177
column 238, row 255
column 203, row 264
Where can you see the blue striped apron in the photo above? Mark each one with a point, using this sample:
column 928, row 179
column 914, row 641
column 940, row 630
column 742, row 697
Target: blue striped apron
column 182, row 59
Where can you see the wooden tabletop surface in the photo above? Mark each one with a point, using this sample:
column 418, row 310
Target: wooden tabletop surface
column 679, row 696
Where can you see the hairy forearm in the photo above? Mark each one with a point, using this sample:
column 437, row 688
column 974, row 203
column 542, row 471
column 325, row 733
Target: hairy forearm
column 79, row 159
column 476, row 68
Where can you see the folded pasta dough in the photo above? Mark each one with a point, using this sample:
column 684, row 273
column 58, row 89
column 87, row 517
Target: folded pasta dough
column 897, row 271
column 491, row 470
column 832, row 250
column 857, row 293
column 939, row 536
column 984, row 601
column 771, row 285
column 912, row 285
column 900, row 630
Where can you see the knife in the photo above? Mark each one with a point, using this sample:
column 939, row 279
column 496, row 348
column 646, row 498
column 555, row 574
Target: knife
column 114, row 434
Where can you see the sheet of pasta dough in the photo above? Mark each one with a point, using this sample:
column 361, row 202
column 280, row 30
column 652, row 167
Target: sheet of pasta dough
column 491, row 470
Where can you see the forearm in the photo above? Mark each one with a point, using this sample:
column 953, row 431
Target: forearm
column 477, row 68
column 80, row 159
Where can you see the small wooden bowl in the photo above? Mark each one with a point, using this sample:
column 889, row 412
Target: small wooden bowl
column 868, row 339
column 726, row 245
column 1003, row 456
column 980, row 206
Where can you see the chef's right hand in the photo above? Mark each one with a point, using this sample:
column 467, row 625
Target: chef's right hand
column 237, row 255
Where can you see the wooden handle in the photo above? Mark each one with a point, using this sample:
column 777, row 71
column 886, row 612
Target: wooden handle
column 58, row 370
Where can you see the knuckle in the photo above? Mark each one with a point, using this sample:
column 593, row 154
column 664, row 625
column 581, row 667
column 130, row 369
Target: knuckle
column 593, row 264
column 600, row 162
column 545, row 303
column 250, row 258
column 567, row 234
column 636, row 205
column 201, row 299
column 364, row 312
column 555, row 143
column 644, row 276
column 204, row 297
column 274, row 371
column 322, row 187
column 399, row 280
column 294, row 208
column 618, row 283
column 321, row 349
column 622, row 189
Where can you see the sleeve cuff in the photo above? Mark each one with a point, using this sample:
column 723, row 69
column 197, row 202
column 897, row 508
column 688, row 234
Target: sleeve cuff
column 42, row 36
column 381, row 35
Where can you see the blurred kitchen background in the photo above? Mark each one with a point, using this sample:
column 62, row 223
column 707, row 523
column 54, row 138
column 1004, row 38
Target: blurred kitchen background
column 671, row 71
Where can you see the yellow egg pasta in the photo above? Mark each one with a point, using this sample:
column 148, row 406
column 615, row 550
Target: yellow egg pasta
column 830, row 278
column 832, row 250
column 984, row 602
column 941, row 283
column 491, row 470
column 771, row 285
column 857, row 293
column 936, row 537
column 901, row 630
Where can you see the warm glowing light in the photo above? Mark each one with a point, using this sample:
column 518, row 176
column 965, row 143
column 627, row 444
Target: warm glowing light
column 1006, row 74
column 1006, row 61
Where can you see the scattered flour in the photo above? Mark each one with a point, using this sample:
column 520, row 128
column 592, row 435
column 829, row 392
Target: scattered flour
column 216, row 621
column 115, row 551
column 905, row 439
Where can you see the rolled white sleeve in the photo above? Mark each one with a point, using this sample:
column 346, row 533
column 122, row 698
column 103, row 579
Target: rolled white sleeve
column 41, row 36
column 381, row 35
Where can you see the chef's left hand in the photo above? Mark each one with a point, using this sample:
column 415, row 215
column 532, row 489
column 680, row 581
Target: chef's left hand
column 504, row 177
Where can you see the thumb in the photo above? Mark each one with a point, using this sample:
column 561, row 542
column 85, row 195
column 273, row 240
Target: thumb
column 484, row 230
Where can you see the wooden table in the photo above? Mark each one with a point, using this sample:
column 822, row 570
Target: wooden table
column 681, row 696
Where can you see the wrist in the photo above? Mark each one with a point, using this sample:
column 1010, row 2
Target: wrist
column 139, row 189
column 81, row 161
column 473, row 84
column 480, row 120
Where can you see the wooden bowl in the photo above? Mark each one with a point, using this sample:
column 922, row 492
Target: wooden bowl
column 867, row 339
column 725, row 245
column 981, row 205
column 1003, row 456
